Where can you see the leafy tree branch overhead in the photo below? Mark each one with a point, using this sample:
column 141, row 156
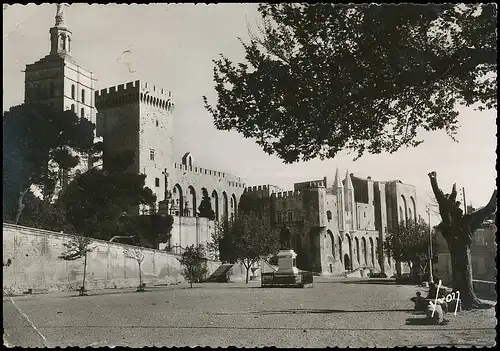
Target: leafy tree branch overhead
column 321, row 78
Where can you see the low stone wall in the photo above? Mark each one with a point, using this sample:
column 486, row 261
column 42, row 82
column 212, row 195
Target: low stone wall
column 34, row 264
column 485, row 289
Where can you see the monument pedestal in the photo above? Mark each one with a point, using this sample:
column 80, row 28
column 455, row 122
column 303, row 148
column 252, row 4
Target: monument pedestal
column 287, row 262
column 287, row 275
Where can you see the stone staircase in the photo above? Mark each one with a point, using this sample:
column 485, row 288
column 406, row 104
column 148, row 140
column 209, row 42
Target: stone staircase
column 221, row 274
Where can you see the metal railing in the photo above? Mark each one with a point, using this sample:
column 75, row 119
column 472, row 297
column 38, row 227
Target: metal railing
column 306, row 277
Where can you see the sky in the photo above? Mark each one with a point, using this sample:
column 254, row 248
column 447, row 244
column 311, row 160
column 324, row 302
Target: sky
column 172, row 46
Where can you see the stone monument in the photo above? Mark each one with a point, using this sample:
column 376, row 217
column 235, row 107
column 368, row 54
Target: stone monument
column 287, row 258
column 287, row 275
column 164, row 204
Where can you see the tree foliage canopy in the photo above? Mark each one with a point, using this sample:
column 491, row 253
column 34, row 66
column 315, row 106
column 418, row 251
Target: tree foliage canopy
column 194, row 261
column 37, row 142
column 76, row 248
column 246, row 239
column 95, row 200
column 321, row 78
column 410, row 242
column 44, row 215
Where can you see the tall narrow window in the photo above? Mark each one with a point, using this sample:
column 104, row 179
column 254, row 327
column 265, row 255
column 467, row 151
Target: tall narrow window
column 73, row 91
column 157, row 182
column 69, row 44
column 83, row 96
column 151, row 154
column 63, row 42
column 82, row 113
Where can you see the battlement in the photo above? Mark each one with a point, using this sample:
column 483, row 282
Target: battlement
column 229, row 178
column 287, row 194
column 257, row 188
column 135, row 92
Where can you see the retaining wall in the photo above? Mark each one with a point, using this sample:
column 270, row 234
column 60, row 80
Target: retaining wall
column 34, row 264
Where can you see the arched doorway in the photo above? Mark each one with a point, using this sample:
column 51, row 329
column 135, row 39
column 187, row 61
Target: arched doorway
column 357, row 249
column 363, row 247
column 234, row 206
column 349, row 244
column 372, row 252
column 225, row 212
column 347, row 262
column 331, row 242
column 192, row 197
column 178, row 200
column 215, row 204
column 340, row 248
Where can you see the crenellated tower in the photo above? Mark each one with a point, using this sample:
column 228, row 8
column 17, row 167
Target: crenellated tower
column 137, row 117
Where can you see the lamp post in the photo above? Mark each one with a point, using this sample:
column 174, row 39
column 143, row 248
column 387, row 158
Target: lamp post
column 431, row 278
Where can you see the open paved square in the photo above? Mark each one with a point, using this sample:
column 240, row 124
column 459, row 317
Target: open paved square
column 332, row 313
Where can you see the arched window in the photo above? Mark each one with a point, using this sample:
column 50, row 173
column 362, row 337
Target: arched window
column 82, row 112
column 329, row 215
column 83, row 96
column 73, row 91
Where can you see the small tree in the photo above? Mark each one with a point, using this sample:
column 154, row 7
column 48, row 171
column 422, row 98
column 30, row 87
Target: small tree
column 409, row 242
column 78, row 248
column 250, row 237
column 137, row 255
column 205, row 208
column 194, row 261
column 220, row 246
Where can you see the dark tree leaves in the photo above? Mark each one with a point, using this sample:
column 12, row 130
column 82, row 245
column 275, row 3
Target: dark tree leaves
column 410, row 242
column 95, row 200
column 37, row 141
column 321, row 78
column 205, row 208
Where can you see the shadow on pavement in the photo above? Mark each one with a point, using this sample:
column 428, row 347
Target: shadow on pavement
column 423, row 321
column 307, row 311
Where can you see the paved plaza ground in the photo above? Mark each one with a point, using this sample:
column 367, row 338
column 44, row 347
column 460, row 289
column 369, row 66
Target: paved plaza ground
column 332, row 313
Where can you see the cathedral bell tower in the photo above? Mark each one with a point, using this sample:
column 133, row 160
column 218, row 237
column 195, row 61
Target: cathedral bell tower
column 60, row 36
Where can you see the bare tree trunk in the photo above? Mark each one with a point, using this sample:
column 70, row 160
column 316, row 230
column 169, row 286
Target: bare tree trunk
column 84, row 273
column 461, row 264
column 247, row 267
column 20, row 205
column 140, row 277
column 458, row 230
